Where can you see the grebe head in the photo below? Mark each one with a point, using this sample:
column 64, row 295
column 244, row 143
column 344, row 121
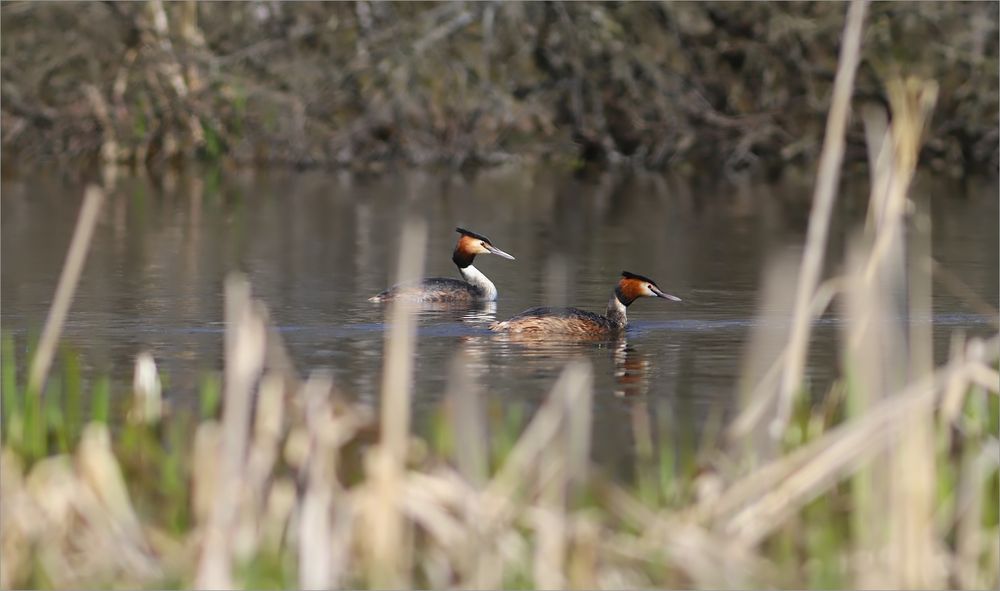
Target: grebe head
column 470, row 244
column 632, row 286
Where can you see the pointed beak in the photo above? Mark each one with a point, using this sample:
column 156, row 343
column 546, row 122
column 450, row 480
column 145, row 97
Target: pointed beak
column 498, row 252
column 660, row 294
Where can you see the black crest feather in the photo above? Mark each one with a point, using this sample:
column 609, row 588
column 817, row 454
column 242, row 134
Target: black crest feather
column 628, row 275
column 465, row 232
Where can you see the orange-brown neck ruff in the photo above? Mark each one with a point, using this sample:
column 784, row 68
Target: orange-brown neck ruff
column 465, row 251
column 628, row 289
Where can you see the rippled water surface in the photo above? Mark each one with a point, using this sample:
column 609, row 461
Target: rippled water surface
column 317, row 245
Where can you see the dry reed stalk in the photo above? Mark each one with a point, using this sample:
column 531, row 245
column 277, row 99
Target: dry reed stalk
column 75, row 258
column 578, row 398
column 548, row 519
column 343, row 530
column 279, row 361
column 205, row 470
column 761, row 362
column 879, row 148
column 245, row 347
column 443, row 506
column 550, row 544
column 913, row 477
column 468, row 422
column 864, row 352
column 911, row 102
column 763, row 393
column 760, row 502
column 876, row 123
column 813, row 471
column 98, row 469
column 400, row 339
column 645, row 451
column 476, row 555
column 561, row 468
column 73, row 520
column 953, row 398
column 433, row 501
column 708, row 559
column 920, row 292
column 583, row 563
column 388, row 566
column 705, row 557
column 56, row 497
column 315, row 532
column 16, row 519
column 908, row 506
column 386, row 536
column 269, row 418
column 974, row 467
column 262, row 453
column 555, row 449
column 827, row 179
column 570, row 394
column 282, row 498
column 325, row 520
column 983, row 376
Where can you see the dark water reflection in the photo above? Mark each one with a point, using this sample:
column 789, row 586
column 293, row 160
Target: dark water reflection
column 317, row 245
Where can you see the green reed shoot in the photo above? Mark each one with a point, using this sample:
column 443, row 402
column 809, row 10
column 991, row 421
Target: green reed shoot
column 73, row 393
column 100, row 400
column 55, row 430
column 10, row 398
column 175, row 474
column 209, row 395
column 508, row 426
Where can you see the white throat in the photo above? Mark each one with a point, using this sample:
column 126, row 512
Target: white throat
column 476, row 278
column 616, row 311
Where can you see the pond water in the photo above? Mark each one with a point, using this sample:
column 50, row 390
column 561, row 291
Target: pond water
column 316, row 245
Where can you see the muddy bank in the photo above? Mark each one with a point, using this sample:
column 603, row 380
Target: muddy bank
column 680, row 86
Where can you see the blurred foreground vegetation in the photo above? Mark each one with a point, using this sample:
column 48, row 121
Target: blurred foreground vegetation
column 726, row 86
column 889, row 479
column 99, row 495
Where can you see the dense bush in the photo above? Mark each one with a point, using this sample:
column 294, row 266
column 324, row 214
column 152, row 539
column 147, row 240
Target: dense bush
column 663, row 85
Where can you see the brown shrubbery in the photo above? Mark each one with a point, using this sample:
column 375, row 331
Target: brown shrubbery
column 725, row 85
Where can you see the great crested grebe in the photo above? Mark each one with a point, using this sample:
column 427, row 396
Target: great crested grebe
column 573, row 321
column 476, row 287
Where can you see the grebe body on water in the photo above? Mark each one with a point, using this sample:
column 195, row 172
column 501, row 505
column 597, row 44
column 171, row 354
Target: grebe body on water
column 576, row 322
column 474, row 286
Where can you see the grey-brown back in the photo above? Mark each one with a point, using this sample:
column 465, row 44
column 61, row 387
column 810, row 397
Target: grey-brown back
column 557, row 321
column 435, row 289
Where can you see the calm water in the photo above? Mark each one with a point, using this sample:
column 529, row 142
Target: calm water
column 316, row 245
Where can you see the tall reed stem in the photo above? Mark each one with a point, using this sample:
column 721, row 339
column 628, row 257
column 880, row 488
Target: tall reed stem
column 68, row 280
column 827, row 180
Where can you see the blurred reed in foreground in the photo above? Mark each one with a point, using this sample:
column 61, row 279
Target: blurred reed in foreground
column 889, row 480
